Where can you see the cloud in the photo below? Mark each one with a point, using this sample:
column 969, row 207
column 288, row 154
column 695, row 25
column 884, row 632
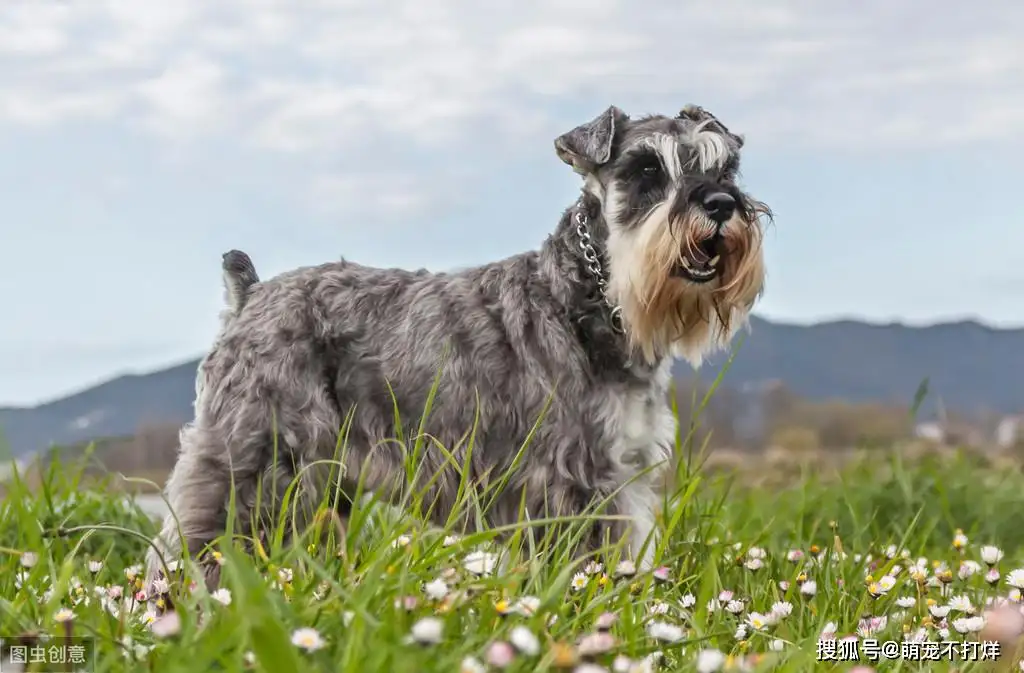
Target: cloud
column 386, row 196
column 321, row 78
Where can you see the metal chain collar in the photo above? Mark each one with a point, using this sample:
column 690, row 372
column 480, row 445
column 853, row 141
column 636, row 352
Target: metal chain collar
column 594, row 266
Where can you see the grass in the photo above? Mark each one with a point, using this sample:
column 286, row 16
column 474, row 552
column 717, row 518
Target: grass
column 749, row 578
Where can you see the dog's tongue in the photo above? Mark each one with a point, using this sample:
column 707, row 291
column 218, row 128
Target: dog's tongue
column 698, row 257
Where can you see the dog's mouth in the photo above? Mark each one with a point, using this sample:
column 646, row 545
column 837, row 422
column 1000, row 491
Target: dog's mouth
column 701, row 264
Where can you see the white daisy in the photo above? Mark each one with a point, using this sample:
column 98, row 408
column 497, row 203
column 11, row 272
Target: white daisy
column 427, row 631
column 710, row 661
column 307, row 638
column 480, row 562
column 436, row 589
column 658, row 608
column 526, row 606
column 735, row 607
column 167, row 625
column 472, row 665
column 906, row 601
column 625, row 569
column 968, row 568
column 669, row 633
column 991, row 555
column 969, row 624
column 524, row 640
column 961, row 604
column 809, row 588
column 1015, row 578
column 759, row 621
column 959, row 540
column 578, row 581
column 222, row 596
column 595, row 644
column 622, row 664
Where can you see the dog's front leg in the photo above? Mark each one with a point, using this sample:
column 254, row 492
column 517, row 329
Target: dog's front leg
column 197, row 491
column 637, row 503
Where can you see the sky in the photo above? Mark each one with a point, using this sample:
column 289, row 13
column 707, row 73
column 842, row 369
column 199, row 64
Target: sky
column 141, row 140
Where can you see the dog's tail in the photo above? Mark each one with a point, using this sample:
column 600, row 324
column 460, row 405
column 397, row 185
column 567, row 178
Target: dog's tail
column 239, row 276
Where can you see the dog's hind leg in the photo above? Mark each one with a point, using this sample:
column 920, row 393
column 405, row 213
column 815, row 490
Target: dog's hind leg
column 265, row 402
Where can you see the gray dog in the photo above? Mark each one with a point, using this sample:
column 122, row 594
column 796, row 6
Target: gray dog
column 660, row 257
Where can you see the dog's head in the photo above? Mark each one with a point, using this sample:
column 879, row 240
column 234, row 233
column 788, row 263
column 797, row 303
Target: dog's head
column 683, row 246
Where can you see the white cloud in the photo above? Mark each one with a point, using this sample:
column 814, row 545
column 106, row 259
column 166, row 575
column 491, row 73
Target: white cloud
column 321, row 78
column 187, row 98
column 384, row 196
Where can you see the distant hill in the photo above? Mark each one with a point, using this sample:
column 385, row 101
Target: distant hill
column 971, row 367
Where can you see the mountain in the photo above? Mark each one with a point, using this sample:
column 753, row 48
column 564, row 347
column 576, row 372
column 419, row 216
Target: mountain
column 970, row 367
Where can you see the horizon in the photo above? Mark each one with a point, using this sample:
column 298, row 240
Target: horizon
column 142, row 141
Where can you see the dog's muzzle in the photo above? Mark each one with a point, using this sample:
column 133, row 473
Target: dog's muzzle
column 703, row 263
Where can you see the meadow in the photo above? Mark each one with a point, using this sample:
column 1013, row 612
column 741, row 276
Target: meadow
column 790, row 573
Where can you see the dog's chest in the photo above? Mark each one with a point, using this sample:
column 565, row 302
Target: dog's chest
column 640, row 430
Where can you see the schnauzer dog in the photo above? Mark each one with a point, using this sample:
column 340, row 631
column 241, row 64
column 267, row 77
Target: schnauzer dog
column 660, row 257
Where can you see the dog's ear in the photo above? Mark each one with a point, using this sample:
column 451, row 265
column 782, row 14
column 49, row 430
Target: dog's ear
column 590, row 145
column 697, row 114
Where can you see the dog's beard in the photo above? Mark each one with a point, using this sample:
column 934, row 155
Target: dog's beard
column 665, row 314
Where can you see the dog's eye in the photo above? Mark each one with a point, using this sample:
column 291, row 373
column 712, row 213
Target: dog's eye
column 650, row 170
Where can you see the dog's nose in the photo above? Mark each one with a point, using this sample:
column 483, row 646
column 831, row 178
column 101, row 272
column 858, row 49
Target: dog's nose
column 719, row 206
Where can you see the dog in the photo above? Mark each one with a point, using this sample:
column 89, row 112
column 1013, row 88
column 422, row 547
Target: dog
column 570, row 346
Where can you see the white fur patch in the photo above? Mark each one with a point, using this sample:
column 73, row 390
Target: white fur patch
column 644, row 432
